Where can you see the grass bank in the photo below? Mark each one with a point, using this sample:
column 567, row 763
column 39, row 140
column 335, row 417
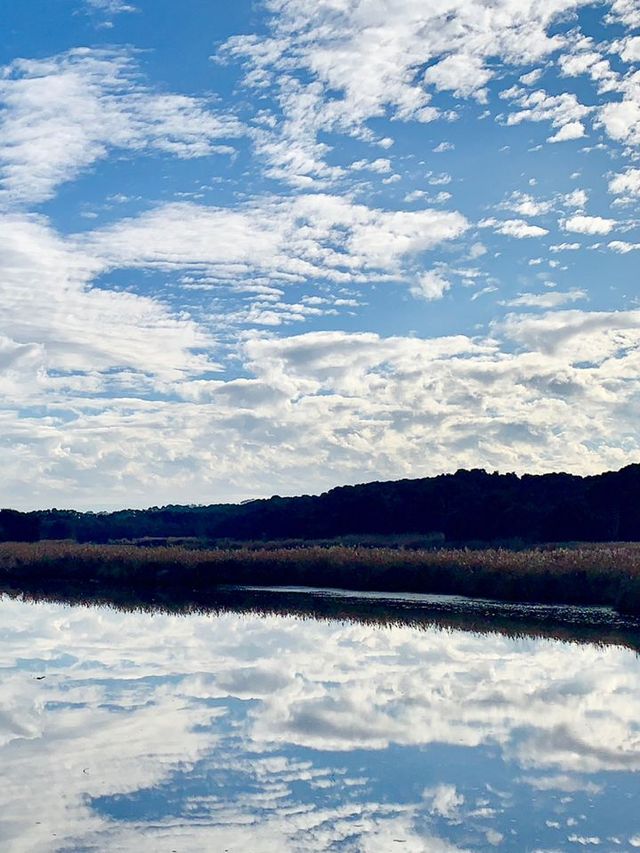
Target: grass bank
column 586, row 574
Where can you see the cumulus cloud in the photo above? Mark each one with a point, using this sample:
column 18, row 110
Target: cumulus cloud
column 629, row 48
column 583, row 224
column 565, row 247
column 574, row 64
column 464, row 75
column 363, row 406
column 130, row 400
column 111, row 7
column 625, row 12
column 571, row 130
column 430, row 285
column 592, row 337
column 621, row 121
column 444, row 801
column 626, row 183
column 517, row 228
column 622, row 247
column 381, row 165
column 526, row 205
column 575, row 198
column 563, row 111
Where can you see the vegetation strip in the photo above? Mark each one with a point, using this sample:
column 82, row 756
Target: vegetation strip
column 606, row 575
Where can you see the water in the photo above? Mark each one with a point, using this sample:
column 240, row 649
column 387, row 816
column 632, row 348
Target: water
column 254, row 732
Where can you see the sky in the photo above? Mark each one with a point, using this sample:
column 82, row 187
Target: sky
column 271, row 247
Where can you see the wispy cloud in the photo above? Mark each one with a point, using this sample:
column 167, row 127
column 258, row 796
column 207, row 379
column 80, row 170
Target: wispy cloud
column 49, row 302
column 304, row 237
column 111, row 7
column 61, row 115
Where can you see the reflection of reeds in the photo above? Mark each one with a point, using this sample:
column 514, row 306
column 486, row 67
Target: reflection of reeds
column 567, row 624
column 589, row 574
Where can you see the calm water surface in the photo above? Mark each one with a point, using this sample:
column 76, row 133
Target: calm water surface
column 251, row 733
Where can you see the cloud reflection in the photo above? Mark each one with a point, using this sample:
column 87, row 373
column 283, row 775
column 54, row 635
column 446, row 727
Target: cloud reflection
column 151, row 732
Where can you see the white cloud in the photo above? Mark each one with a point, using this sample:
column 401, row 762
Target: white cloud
column 517, row 228
column 582, row 224
column 430, row 285
column 440, row 180
column 621, row 120
column 526, row 205
column 64, row 113
column 571, row 130
column 464, row 75
column 294, row 239
column 363, row 407
column 625, row 12
column 415, row 195
column 316, row 53
column 622, row 246
column 592, row 337
column 141, row 408
column 444, row 801
column 111, row 7
column 477, row 250
column 576, row 198
column 562, row 111
column 381, row 165
column 532, row 77
column 48, row 302
column 546, row 301
column 627, row 182
column 629, row 49
column 574, row 64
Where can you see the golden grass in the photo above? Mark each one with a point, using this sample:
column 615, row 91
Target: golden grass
column 585, row 574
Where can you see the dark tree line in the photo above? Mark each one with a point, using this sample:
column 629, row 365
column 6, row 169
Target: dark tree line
column 468, row 506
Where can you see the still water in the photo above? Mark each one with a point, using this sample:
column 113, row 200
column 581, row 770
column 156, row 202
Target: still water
column 248, row 732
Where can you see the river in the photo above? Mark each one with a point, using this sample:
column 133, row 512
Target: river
column 269, row 732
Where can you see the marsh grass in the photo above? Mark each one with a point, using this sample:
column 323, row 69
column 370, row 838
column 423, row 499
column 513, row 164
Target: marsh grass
column 583, row 574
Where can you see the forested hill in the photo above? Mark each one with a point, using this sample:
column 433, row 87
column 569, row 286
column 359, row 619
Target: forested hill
column 468, row 506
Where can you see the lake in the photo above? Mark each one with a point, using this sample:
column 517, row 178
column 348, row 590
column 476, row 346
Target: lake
column 260, row 731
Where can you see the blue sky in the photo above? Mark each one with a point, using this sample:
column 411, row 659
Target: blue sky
column 270, row 247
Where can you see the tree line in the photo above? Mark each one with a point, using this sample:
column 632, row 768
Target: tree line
column 470, row 506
